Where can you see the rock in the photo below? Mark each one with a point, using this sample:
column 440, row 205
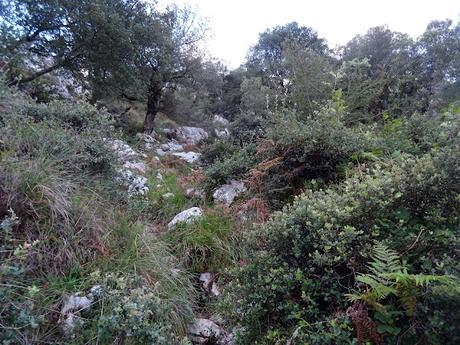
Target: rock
column 191, row 135
column 228, row 339
column 220, row 120
column 189, row 157
column 149, row 141
column 172, row 145
column 123, row 151
column 228, row 192
column 137, row 185
column 139, row 166
column 75, row 304
column 186, row 216
column 203, row 330
column 195, row 192
column 167, row 195
column 209, row 284
column 169, row 147
column 222, row 133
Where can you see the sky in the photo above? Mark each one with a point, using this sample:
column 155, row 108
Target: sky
column 235, row 25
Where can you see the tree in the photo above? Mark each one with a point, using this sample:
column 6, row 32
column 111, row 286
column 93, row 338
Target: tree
column 389, row 75
column 117, row 47
column 311, row 80
column 266, row 58
column 440, row 48
column 91, row 39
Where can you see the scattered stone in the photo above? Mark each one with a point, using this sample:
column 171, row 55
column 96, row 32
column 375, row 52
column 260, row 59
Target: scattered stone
column 209, row 284
column 195, row 192
column 137, row 185
column 222, row 133
column 168, row 195
column 220, row 120
column 124, row 152
column 172, row 145
column 75, row 304
column 228, row 192
column 139, row 166
column 189, row 157
column 191, row 135
column 203, row 330
column 149, row 141
column 186, row 216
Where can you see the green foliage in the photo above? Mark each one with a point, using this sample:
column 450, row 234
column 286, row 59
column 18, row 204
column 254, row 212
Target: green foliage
column 63, row 217
column 300, row 263
column 209, row 243
column 135, row 311
column 389, row 277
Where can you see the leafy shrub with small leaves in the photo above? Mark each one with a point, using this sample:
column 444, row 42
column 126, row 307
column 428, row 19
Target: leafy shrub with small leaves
column 303, row 261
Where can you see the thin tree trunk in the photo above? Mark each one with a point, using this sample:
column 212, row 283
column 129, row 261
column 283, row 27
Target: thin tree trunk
column 153, row 101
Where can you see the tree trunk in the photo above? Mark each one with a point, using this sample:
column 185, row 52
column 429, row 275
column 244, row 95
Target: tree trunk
column 153, row 101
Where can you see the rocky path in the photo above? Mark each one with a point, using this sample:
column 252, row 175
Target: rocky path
column 183, row 144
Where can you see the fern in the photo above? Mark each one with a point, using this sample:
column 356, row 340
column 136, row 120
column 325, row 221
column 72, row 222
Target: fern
column 387, row 276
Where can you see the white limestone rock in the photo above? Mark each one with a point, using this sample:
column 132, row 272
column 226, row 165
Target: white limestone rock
column 123, row 151
column 137, row 184
column 221, row 133
column 136, row 166
column 70, row 311
column 195, row 193
column 191, row 135
column 228, row 192
column 209, row 284
column 202, row 330
column 189, row 157
column 186, row 216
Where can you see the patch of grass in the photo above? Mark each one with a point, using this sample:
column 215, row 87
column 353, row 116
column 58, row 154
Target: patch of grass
column 207, row 244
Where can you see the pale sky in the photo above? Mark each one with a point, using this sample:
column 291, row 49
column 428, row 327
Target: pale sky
column 236, row 24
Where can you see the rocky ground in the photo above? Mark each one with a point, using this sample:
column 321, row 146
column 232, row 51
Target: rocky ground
column 183, row 146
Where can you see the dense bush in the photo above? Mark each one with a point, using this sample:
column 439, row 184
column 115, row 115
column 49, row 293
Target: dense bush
column 304, row 260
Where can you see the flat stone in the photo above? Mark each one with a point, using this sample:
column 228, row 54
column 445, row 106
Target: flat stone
column 186, row 216
column 228, row 192
column 201, row 330
column 189, row 157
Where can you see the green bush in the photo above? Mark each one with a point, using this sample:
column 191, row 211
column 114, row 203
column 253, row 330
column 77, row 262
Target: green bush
column 302, row 262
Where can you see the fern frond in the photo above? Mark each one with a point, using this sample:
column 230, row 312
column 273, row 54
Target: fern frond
column 385, row 260
column 380, row 290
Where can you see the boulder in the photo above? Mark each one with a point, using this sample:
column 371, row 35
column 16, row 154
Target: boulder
column 202, row 331
column 189, row 157
column 137, row 184
column 228, row 192
column 186, row 216
column 191, row 135
column 149, row 141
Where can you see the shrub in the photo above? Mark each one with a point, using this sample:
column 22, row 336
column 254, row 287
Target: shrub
column 302, row 262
